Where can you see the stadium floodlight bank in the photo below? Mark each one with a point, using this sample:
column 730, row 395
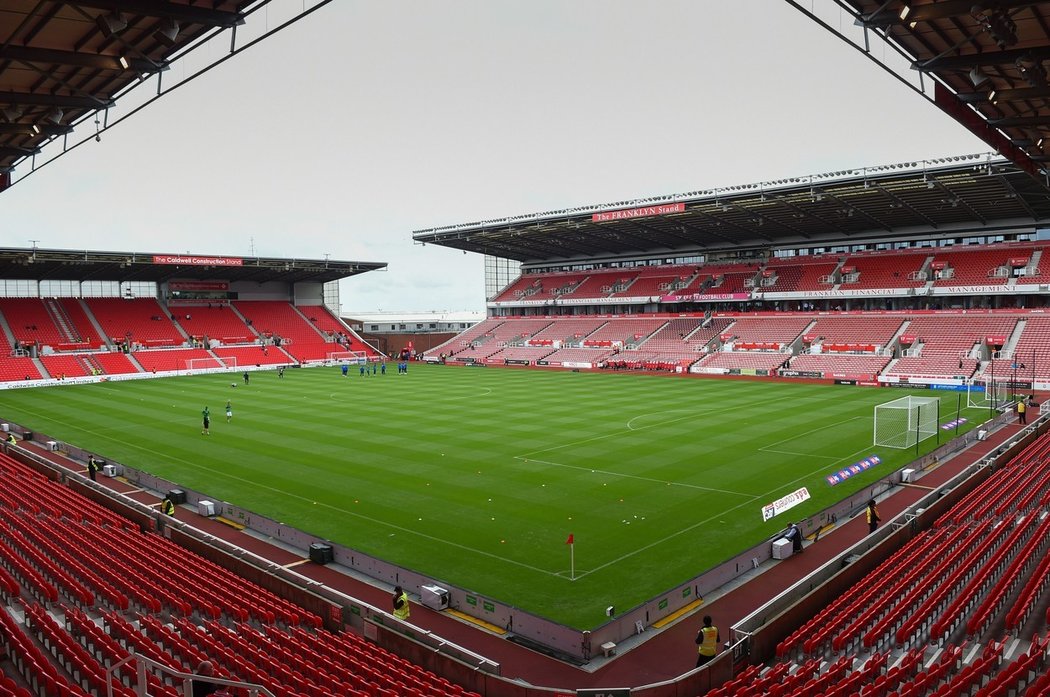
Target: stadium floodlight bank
column 351, row 357
column 905, row 422
column 987, row 392
column 211, row 363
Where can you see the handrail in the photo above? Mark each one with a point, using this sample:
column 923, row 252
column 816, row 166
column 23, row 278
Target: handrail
column 187, row 678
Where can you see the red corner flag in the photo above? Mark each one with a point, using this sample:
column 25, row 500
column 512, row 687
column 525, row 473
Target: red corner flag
column 570, row 540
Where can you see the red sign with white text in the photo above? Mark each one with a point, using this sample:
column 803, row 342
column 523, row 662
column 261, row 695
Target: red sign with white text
column 642, row 212
column 189, row 260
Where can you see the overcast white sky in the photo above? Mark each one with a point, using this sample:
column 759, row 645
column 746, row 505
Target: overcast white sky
column 368, row 120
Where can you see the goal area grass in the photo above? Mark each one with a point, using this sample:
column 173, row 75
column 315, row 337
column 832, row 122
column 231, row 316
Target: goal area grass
column 477, row 477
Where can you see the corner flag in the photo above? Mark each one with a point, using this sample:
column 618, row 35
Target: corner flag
column 572, row 556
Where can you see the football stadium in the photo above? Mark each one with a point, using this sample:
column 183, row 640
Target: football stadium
column 781, row 437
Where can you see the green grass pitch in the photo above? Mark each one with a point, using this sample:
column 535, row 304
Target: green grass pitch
column 476, row 477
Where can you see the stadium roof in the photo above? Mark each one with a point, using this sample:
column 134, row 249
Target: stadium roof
column 981, row 61
column 962, row 195
column 64, row 64
column 84, row 265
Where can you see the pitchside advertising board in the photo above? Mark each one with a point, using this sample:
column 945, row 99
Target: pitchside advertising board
column 784, row 503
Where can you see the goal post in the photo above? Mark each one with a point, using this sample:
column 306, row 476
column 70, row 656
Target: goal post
column 905, row 422
column 352, row 357
column 987, row 392
column 205, row 363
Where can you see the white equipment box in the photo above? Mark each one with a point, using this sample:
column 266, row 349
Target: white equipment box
column 434, row 597
column 782, row 548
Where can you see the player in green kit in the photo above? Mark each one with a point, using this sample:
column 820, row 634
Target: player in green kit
column 229, row 411
column 206, row 421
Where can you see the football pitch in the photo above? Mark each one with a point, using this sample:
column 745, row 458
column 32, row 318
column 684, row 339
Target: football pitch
column 477, row 477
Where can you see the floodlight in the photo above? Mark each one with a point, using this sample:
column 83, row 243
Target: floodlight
column 991, row 97
column 905, row 11
column 54, row 116
column 168, row 31
column 112, row 23
column 12, row 113
column 977, row 77
column 123, row 60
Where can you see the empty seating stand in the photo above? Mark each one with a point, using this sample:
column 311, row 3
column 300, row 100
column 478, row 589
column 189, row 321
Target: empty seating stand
column 93, row 588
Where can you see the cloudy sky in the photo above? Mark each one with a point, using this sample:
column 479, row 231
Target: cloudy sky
column 367, row 120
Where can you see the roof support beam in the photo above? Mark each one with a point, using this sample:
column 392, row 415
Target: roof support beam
column 46, row 130
column 59, row 100
column 12, row 151
column 159, row 8
column 48, row 56
column 1038, row 53
column 950, row 8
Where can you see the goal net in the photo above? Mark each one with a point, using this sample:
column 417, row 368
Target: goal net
column 906, row 421
column 987, row 392
column 204, row 363
column 348, row 357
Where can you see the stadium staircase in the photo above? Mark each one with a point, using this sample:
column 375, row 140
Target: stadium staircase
column 83, row 589
column 78, row 305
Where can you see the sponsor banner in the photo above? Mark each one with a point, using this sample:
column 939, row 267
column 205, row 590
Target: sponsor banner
column 784, row 503
column 641, row 212
column 512, row 361
column 542, row 362
column 952, row 424
column 704, row 297
column 475, row 364
column 853, row 470
column 978, row 290
column 801, row 374
column 844, row 293
column 573, row 364
column 951, row 388
column 463, row 359
column 198, row 285
column 181, row 260
column 840, row 381
column 906, row 385
column 868, row 383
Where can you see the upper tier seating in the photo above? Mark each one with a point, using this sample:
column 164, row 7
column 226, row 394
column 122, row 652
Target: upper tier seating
column 799, row 274
column 49, row 322
column 885, row 269
column 142, row 320
column 217, row 322
column 535, row 287
column 974, row 267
